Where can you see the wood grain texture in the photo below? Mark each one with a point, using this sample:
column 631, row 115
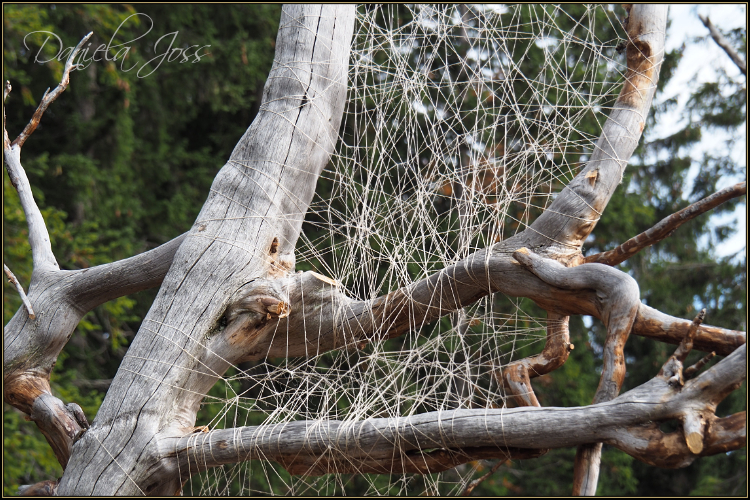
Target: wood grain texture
column 260, row 196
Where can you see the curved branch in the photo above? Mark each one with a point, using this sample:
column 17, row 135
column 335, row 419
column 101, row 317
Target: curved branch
column 63, row 297
column 516, row 376
column 327, row 319
column 617, row 301
column 32, row 345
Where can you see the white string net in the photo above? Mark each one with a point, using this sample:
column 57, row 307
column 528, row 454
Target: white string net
column 462, row 123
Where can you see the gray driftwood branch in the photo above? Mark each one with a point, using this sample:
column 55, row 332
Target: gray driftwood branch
column 629, row 422
column 24, row 299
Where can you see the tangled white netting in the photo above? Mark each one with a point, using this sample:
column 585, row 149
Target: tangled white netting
column 462, row 123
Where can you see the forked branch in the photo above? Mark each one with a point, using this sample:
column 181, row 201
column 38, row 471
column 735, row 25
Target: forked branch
column 33, row 344
column 41, row 250
column 49, row 97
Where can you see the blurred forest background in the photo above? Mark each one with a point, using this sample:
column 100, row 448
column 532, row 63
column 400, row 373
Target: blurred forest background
column 121, row 164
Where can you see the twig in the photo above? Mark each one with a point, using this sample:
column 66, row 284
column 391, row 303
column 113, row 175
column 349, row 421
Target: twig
column 666, row 226
column 12, row 278
column 49, row 97
column 724, row 44
column 6, row 91
column 689, row 372
column 673, row 368
column 470, row 487
column 686, row 345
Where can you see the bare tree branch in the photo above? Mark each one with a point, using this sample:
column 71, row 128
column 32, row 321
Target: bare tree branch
column 94, row 286
column 49, row 97
column 516, row 376
column 470, row 487
column 229, row 296
column 12, row 278
column 32, row 347
column 272, row 172
column 570, row 218
column 724, row 44
column 41, row 248
column 654, row 324
column 340, row 322
column 345, row 446
column 666, row 226
column 42, row 489
column 6, row 90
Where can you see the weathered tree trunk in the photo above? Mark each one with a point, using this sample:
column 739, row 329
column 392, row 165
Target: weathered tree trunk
column 243, row 240
column 230, row 295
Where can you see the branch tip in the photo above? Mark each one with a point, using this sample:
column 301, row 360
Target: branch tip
column 724, row 44
column 470, row 487
column 689, row 372
column 687, row 343
column 12, row 278
column 523, row 256
column 666, row 226
column 49, row 97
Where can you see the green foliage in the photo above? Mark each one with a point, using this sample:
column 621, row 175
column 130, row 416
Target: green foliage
column 27, row 458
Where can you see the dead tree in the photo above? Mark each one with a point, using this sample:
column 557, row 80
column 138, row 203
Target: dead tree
column 228, row 294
